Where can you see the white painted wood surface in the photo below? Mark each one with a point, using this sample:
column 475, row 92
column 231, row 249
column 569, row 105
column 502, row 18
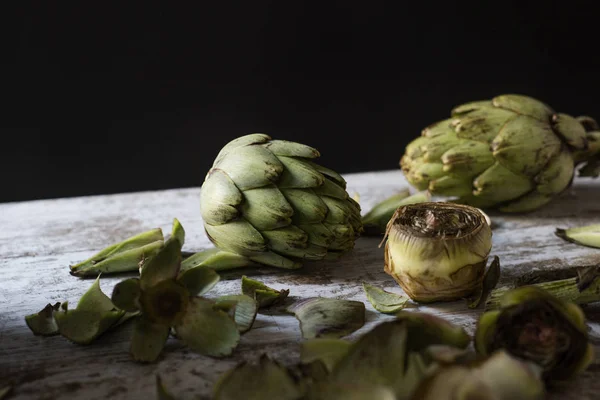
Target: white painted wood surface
column 39, row 239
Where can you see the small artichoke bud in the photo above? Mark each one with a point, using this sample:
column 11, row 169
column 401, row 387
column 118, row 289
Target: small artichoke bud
column 534, row 325
column 438, row 251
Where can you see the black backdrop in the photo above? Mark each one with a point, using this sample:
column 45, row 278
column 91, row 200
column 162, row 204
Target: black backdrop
column 141, row 96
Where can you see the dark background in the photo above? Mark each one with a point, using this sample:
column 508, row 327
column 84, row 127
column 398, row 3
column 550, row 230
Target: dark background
column 141, row 96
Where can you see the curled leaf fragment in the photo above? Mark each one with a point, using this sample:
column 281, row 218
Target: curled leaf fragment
column 177, row 232
column 383, row 301
column 198, row 280
column 148, row 340
column 43, row 323
column 328, row 318
column 244, row 309
column 121, row 257
column 328, row 351
column 490, row 280
column 267, row 380
column 264, row 295
column 585, row 236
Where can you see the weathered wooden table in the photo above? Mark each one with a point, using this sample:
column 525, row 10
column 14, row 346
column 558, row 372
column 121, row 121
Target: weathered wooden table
column 39, row 239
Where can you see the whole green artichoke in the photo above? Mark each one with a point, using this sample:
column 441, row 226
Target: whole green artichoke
column 266, row 200
column 513, row 153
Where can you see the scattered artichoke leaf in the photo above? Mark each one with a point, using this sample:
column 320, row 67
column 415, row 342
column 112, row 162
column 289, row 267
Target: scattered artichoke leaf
column 122, row 256
column 148, row 340
column 264, row 295
column 267, row 380
column 126, row 294
column 94, row 300
column 490, row 280
column 178, row 232
column 350, row 391
column 43, row 323
column 163, row 266
column 244, row 309
column 445, row 354
column 83, row 326
column 5, row 391
column 328, row 318
column 425, row 330
column 585, row 235
column 126, row 317
column 217, row 260
column 198, row 280
column 309, row 373
column 383, row 301
column 377, row 358
column 329, row 351
column 207, row 329
column 161, row 391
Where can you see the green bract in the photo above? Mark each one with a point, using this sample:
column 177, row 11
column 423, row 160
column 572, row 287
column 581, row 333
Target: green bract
column 267, row 201
column 513, row 153
column 534, row 325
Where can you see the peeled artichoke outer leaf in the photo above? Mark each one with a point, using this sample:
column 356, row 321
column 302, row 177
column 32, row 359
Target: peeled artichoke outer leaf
column 383, row 301
column 328, row 318
column 437, row 251
column 570, row 130
column 207, row 329
column 163, row 266
column 264, row 295
column 585, row 235
column 533, row 325
column 148, row 340
column 198, row 280
column 43, row 323
column 498, row 377
column 267, row 380
column 524, row 105
column 425, row 330
column 328, row 351
column 126, row 295
column 128, row 245
column 84, row 326
column 177, row 232
column 216, row 259
column 244, row 309
column 251, row 167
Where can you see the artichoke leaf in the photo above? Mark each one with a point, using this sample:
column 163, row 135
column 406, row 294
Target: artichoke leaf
column 585, row 235
column 328, row 318
column 264, row 295
column 291, row 149
column 251, row 167
column 43, row 323
column 244, row 310
column 328, row 351
column 383, row 301
column 219, row 198
column 216, row 259
column 490, row 280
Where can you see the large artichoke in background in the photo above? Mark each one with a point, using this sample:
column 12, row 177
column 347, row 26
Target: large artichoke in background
column 267, row 201
column 513, row 153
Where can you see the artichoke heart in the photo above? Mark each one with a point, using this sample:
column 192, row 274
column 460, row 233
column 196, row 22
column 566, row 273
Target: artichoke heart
column 513, row 153
column 437, row 251
column 268, row 202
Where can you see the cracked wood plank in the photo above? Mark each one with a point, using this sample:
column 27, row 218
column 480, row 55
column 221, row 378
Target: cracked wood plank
column 39, row 239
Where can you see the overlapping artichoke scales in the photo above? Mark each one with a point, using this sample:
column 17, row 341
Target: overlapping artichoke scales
column 269, row 201
column 512, row 152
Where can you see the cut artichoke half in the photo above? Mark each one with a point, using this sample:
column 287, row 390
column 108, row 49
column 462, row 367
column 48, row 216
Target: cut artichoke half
column 437, row 251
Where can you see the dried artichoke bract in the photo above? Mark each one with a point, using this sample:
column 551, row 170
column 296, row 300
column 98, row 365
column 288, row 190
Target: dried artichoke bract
column 534, row 325
column 512, row 152
column 437, row 251
column 499, row 377
column 167, row 300
column 269, row 202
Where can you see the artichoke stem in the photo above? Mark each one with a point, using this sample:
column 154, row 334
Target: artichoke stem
column 570, row 289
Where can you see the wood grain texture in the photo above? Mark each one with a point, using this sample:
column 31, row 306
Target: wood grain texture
column 39, row 239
